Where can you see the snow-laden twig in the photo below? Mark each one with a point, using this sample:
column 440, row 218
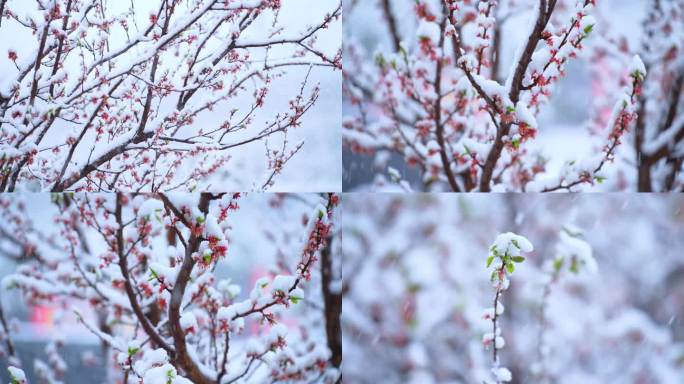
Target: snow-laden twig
column 504, row 253
column 573, row 254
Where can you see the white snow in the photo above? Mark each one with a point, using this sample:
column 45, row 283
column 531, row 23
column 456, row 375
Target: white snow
column 571, row 246
column 283, row 283
column 428, row 30
column 502, row 374
column 512, row 244
column 188, row 322
column 17, row 375
column 637, row 66
column 524, row 115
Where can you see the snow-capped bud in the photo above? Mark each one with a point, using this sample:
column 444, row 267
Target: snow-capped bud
column 637, row 69
column 17, row 375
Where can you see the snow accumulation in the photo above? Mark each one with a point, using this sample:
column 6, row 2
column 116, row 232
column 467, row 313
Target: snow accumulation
column 524, row 115
column 17, row 375
column 282, row 283
column 428, row 30
column 188, row 322
column 573, row 247
column 512, row 244
column 502, row 374
column 163, row 272
column 637, row 66
column 150, row 208
column 155, row 368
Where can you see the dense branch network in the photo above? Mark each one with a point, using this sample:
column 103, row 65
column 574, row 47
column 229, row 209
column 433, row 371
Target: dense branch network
column 442, row 100
column 151, row 97
column 155, row 272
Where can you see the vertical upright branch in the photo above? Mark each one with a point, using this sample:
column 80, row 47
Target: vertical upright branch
column 60, row 45
column 332, row 301
column 485, row 11
column 182, row 357
column 444, row 156
column 2, row 9
column 11, row 350
column 123, row 265
column 495, row 54
column 495, row 324
column 644, row 183
column 516, row 84
column 541, row 375
column 506, row 250
column 647, row 158
column 392, row 24
column 573, row 255
column 224, row 360
column 643, row 167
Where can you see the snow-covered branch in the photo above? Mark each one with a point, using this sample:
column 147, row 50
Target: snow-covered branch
column 154, row 97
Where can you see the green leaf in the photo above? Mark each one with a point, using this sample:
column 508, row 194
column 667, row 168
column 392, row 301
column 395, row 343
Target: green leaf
column 518, row 259
column 638, row 75
column 588, row 29
column 510, row 268
column 558, row 264
column 571, row 232
column 489, row 260
column 404, row 53
column 493, row 276
column 170, row 375
column 574, row 266
column 132, row 351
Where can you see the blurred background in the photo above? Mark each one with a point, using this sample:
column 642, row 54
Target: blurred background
column 564, row 132
column 416, row 286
